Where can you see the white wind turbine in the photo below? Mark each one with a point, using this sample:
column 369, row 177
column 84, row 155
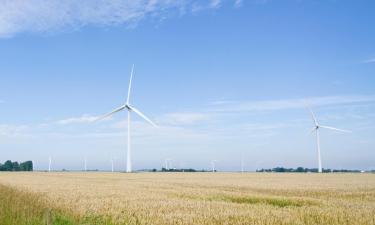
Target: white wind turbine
column 213, row 164
column 316, row 128
column 85, row 164
column 168, row 164
column 130, row 109
column 112, row 164
column 49, row 164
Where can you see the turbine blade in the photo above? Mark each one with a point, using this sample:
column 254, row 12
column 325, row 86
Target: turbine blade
column 142, row 115
column 130, row 85
column 336, row 129
column 110, row 114
column 312, row 114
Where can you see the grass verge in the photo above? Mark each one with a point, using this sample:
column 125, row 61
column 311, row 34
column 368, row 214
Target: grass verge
column 24, row 208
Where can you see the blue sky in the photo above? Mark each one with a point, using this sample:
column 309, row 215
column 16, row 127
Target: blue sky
column 223, row 79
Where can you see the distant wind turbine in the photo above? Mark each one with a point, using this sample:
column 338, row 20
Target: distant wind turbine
column 85, row 163
column 213, row 164
column 49, row 164
column 168, row 164
column 130, row 109
column 316, row 128
column 112, row 165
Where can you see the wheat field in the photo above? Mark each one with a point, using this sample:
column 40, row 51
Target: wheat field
column 205, row 198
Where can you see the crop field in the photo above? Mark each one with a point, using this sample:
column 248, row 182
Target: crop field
column 186, row 198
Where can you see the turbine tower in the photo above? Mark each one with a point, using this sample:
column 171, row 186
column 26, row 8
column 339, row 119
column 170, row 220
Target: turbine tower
column 49, row 164
column 316, row 129
column 112, row 165
column 213, row 163
column 130, row 109
column 168, row 164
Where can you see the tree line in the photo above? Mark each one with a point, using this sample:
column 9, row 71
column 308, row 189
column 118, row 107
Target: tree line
column 15, row 166
column 305, row 170
column 189, row 170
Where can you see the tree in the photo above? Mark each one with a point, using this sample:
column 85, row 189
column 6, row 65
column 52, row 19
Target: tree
column 26, row 166
column 8, row 166
column 16, row 166
column 300, row 170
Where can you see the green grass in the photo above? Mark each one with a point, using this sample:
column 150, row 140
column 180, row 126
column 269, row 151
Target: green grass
column 277, row 202
column 24, row 208
column 252, row 200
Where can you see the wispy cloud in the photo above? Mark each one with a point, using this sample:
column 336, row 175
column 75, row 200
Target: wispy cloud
column 77, row 120
column 56, row 15
column 9, row 130
column 215, row 3
column 217, row 109
column 238, row 3
column 184, row 118
column 168, row 119
column 369, row 60
column 283, row 104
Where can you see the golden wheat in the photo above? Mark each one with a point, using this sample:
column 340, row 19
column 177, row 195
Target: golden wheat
column 207, row 198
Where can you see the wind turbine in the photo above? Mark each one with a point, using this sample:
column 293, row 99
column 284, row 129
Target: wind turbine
column 130, row 109
column 316, row 128
column 213, row 162
column 168, row 164
column 49, row 164
column 85, row 163
column 112, row 165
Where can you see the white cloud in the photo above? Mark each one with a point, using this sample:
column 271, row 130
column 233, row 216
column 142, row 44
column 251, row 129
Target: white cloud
column 284, row 104
column 54, row 15
column 217, row 108
column 76, row 120
column 215, row 3
column 238, row 3
column 8, row 130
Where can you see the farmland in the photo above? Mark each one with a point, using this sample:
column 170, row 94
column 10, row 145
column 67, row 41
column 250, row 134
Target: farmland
column 188, row 198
